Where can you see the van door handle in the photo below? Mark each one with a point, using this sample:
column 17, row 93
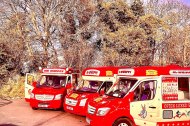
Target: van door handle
column 153, row 107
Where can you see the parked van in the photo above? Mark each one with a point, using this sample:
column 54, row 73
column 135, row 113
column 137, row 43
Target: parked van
column 145, row 96
column 49, row 91
column 96, row 81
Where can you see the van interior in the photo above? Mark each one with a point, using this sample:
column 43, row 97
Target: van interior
column 183, row 88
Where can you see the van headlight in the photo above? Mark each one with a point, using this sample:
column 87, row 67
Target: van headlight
column 32, row 95
column 58, row 97
column 83, row 102
column 102, row 111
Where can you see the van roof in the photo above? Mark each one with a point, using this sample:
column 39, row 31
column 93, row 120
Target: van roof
column 59, row 71
column 137, row 71
column 102, row 71
column 155, row 71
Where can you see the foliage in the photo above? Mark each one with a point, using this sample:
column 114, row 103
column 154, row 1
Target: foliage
column 137, row 8
column 13, row 88
column 7, row 64
column 126, row 34
column 173, row 43
column 78, row 51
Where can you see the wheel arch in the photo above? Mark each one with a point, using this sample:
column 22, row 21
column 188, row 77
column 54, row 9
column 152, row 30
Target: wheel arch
column 124, row 117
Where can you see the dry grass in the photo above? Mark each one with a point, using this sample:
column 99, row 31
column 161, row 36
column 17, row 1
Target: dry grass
column 13, row 89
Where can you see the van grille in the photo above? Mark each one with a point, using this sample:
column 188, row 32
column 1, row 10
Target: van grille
column 44, row 97
column 71, row 102
column 91, row 110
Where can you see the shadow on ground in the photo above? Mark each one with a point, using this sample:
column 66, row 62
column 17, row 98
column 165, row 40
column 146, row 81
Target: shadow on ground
column 4, row 102
column 41, row 123
column 8, row 125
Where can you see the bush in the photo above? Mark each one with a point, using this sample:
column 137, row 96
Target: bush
column 13, row 88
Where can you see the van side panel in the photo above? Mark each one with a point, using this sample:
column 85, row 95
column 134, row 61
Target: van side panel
column 175, row 101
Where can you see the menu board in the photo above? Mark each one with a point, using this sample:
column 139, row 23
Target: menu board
column 169, row 88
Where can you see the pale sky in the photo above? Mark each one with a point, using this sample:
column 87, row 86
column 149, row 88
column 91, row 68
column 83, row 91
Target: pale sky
column 186, row 1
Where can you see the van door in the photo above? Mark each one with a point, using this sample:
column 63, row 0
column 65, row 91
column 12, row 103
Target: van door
column 28, row 85
column 145, row 109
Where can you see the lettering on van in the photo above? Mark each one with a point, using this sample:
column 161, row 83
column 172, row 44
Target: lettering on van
column 175, row 105
column 53, row 71
column 169, row 88
column 92, row 72
column 109, row 73
column 151, row 72
column 180, row 72
column 126, row 72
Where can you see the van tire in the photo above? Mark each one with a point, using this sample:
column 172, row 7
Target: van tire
column 34, row 108
column 123, row 122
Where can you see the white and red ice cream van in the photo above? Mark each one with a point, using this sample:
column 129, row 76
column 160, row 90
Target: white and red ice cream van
column 95, row 82
column 145, row 96
column 49, row 90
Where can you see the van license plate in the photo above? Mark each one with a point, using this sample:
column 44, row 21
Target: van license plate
column 69, row 108
column 42, row 105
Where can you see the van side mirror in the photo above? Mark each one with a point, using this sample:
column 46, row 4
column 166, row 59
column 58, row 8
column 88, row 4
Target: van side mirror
column 102, row 92
column 69, row 85
column 131, row 96
column 34, row 84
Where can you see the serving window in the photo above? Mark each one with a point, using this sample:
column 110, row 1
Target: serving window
column 175, row 88
column 183, row 88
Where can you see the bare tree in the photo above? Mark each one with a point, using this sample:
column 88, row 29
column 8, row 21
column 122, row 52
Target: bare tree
column 172, row 45
column 76, row 30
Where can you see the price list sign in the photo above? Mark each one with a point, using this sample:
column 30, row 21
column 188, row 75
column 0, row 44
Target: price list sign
column 169, row 88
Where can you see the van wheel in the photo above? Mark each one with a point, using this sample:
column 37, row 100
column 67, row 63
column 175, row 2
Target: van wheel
column 59, row 109
column 123, row 122
column 34, row 108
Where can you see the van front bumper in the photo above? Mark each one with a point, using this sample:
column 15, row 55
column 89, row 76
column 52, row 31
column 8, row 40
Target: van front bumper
column 53, row 104
column 94, row 120
column 78, row 110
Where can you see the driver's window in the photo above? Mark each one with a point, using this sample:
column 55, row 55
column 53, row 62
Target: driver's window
column 49, row 80
column 95, row 84
column 108, row 85
column 43, row 80
column 63, row 81
column 125, row 85
column 145, row 91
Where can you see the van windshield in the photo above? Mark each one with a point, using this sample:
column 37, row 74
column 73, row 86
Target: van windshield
column 121, row 88
column 51, row 81
column 89, row 86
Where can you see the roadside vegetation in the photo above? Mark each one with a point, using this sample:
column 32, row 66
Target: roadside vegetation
column 83, row 33
column 13, row 89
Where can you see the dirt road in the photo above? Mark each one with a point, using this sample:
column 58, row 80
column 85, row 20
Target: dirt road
column 19, row 113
